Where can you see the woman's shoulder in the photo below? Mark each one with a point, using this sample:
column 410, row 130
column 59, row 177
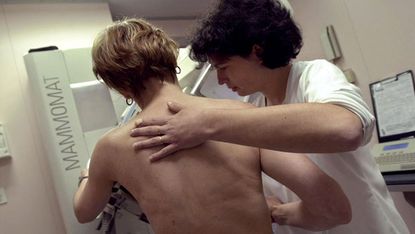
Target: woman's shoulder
column 116, row 135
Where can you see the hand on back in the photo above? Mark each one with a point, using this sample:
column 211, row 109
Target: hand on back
column 182, row 130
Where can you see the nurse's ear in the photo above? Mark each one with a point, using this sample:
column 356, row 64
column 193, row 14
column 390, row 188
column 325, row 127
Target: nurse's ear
column 257, row 53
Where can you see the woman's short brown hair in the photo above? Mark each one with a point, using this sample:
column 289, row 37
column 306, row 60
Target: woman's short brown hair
column 130, row 51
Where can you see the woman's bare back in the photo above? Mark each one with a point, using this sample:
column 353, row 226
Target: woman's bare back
column 213, row 188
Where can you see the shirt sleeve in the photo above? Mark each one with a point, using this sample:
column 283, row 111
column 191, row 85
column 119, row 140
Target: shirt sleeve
column 326, row 83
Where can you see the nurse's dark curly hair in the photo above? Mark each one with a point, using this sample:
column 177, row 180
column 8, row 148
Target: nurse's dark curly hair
column 235, row 26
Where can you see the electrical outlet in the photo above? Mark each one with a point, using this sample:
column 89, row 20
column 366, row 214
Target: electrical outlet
column 350, row 76
column 3, row 198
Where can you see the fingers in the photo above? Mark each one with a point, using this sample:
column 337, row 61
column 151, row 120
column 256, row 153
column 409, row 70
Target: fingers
column 166, row 151
column 147, row 131
column 152, row 121
column 273, row 201
column 151, row 142
column 174, row 107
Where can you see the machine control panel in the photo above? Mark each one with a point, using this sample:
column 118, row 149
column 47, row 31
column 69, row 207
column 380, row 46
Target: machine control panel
column 395, row 155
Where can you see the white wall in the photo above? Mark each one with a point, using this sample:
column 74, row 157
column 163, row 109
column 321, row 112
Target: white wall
column 179, row 30
column 32, row 206
column 377, row 40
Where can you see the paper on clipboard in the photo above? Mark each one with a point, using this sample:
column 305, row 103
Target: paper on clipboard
column 394, row 101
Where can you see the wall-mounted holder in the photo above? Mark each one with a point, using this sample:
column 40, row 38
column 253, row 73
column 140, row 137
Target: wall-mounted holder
column 330, row 44
column 3, row 197
column 4, row 147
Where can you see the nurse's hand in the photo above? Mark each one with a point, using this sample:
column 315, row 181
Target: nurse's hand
column 182, row 130
column 273, row 202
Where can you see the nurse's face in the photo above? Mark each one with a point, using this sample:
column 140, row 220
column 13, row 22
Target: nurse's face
column 238, row 74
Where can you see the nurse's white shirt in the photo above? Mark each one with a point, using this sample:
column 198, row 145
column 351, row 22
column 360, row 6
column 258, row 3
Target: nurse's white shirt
column 373, row 210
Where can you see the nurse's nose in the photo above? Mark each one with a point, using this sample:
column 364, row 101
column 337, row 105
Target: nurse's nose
column 221, row 77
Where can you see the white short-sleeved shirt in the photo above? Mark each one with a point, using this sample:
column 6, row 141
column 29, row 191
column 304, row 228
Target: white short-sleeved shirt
column 373, row 210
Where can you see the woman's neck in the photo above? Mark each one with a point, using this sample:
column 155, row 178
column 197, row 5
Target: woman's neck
column 157, row 91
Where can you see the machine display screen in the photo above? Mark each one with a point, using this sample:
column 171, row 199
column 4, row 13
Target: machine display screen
column 395, row 147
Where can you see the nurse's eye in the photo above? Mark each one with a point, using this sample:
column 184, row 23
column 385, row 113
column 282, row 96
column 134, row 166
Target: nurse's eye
column 221, row 68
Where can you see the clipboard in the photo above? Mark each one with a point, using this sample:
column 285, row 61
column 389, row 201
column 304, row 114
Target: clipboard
column 393, row 102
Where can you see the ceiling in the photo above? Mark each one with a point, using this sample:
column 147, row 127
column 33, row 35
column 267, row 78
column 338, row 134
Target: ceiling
column 159, row 9
column 148, row 9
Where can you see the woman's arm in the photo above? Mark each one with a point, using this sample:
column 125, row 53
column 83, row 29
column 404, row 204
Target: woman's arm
column 95, row 190
column 323, row 204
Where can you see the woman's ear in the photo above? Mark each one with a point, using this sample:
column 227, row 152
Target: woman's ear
column 126, row 94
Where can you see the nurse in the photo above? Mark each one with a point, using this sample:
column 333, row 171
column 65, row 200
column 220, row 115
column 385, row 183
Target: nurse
column 309, row 107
